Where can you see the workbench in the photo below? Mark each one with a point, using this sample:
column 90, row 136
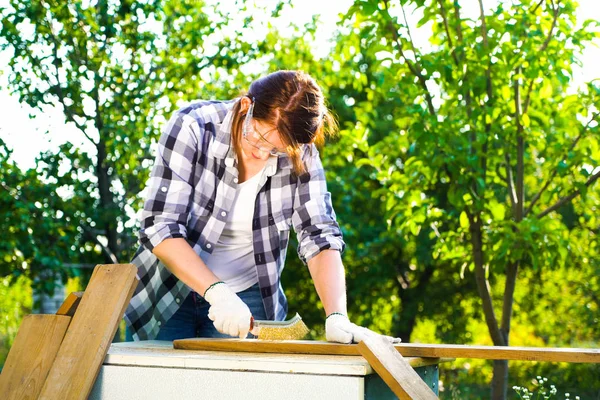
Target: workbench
column 154, row 370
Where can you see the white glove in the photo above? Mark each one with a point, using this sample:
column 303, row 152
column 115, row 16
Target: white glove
column 338, row 328
column 230, row 315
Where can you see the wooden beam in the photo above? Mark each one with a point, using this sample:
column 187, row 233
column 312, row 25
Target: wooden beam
column 69, row 306
column 572, row 355
column 31, row 355
column 90, row 333
column 395, row 371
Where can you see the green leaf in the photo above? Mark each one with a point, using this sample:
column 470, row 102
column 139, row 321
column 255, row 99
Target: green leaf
column 546, row 90
column 464, row 220
column 498, row 211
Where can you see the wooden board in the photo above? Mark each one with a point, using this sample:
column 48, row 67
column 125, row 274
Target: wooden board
column 31, row 355
column 395, row 371
column 92, row 329
column 69, row 306
column 572, row 355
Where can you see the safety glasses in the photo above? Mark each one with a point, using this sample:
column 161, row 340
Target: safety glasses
column 257, row 140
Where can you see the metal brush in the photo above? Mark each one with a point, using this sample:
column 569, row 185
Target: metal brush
column 292, row 329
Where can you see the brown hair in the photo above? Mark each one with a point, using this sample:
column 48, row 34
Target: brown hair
column 292, row 102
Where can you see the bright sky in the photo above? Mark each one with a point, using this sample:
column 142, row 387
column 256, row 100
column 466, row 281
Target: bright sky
column 28, row 137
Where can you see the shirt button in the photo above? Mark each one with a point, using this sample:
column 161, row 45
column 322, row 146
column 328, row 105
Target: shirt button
column 208, row 245
column 177, row 300
column 235, row 180
column 159, row 323
column 223, row 213
column 163, row 189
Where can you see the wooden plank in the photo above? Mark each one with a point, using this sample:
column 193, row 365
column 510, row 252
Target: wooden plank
column 91, row 332
column 69, row 306
column 549, row 354
column 395, row 371
column 572, row 355
column 31, row 355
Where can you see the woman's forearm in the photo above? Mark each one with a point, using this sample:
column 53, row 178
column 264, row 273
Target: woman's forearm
column 185, row 264
column 327, row 272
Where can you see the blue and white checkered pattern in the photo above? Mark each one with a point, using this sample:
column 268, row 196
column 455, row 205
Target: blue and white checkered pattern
column 190, row 193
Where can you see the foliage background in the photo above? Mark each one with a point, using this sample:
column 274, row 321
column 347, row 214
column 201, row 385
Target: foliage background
column 401, row 278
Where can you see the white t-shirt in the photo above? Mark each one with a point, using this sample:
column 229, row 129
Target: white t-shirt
column 232, row 259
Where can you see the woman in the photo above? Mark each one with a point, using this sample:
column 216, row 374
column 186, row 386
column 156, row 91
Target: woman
column 229, row 180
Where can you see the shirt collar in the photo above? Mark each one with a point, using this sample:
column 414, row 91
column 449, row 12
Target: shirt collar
column 222, row 147
column 285, row 162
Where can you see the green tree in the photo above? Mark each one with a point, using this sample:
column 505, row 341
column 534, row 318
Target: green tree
column 117, row 70
column 385, row 290
column 486, row 143
column 439, row 154
column 35, row 225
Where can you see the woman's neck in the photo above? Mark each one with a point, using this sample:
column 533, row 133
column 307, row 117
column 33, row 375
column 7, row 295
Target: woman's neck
column 248, row 167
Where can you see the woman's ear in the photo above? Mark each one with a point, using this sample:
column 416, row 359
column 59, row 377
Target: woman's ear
column 244, row 104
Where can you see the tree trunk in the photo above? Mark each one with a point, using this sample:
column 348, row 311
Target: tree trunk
column 500, row 380
column 106, row 205
column 499, row 335
column 410, row 296
column 404, row 325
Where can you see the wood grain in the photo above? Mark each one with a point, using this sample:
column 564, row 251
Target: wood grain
column 90, row 333
column 31, row 355
column 572, row 355
column 395, row 371
column 69, row 306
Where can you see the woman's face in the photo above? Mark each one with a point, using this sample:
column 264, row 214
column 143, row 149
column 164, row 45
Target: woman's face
column 262, row 141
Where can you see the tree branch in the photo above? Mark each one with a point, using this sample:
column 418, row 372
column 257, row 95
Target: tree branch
column 481, row 280
column 541, row 50
column 556, row 10
column 520, row 188
column 555, row 170
column 488, row 72
column 488, row 78
column 107, row 252
column 412, row 42
column 459, row 34
column 535, row 8
column 570, row 197
column 458, row 19
column 445, row 19
column 507, row 304
column 413, row 68
column 512, row 194
column 61, row 96
column 528, row 97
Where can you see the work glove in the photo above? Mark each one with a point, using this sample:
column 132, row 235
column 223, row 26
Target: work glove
column 338, row 328
column 230, row 315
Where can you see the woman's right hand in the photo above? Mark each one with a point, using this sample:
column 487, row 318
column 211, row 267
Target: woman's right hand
column 230, row 315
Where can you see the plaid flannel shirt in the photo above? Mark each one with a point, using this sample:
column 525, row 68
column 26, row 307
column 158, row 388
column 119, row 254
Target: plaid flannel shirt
column 190, row 194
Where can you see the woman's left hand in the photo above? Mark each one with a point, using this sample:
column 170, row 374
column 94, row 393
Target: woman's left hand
column 338, row 328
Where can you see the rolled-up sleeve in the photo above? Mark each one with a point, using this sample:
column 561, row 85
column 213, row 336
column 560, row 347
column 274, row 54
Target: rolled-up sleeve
column 170, row 186
column 314, row 218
